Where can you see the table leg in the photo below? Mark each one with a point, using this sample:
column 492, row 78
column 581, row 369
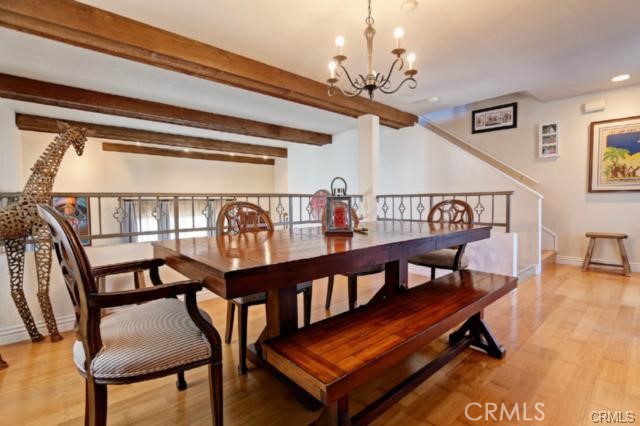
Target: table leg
column 396, row 274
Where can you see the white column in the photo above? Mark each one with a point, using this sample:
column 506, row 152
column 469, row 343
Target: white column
column 11, row 153
column 281, row 175
column 369, row 162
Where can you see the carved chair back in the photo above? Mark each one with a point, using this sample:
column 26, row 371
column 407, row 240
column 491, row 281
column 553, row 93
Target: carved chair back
column 78, row 278
column 238, row 217
column 451, row 211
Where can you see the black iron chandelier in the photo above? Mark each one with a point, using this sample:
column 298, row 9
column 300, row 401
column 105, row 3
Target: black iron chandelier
column 373, row 80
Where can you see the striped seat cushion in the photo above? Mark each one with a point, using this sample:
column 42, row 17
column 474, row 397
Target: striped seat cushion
column 143, row 339
column 262, row 297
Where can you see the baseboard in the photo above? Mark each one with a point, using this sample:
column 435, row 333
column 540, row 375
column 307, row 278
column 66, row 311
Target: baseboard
column 18, row 333
column 525, row 272
column 577, row 261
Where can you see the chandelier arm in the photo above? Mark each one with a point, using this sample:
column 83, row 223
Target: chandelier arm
column 385, row 82
column 354, row 84
column 353, row 93
column 412, row 85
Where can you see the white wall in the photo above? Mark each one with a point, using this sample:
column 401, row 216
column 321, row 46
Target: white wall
column 568, row 208
column 311, row 167
column 416, row 160
column 10, row 152
column 100, row 171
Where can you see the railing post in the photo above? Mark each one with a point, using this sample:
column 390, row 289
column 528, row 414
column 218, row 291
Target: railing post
column 291, row 213
column 176, row 217
column 508, row 213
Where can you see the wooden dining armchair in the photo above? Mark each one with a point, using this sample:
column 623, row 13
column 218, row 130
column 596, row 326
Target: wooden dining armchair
column 155, row 335
column 352, row 277
column 452, row 258
column 240, row 217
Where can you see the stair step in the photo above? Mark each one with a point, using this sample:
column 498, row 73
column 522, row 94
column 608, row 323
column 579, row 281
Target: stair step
column 548, row 257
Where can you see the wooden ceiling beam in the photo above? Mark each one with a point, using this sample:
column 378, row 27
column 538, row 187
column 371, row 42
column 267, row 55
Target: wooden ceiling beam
column 163, row 152
column 41, row 92
column 85, row 26
column 50, row 125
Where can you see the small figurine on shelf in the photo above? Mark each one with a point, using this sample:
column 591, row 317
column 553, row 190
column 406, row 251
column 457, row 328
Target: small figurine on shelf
column 338, row 218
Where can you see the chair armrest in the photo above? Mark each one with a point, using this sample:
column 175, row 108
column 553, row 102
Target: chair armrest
column 124, row 267
column 130, row 297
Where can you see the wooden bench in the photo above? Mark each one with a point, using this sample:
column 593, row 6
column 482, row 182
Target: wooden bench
column 331, row 358
column 593, row 236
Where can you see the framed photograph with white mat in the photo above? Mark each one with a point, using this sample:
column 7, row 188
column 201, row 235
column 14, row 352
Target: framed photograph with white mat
column 548, row 140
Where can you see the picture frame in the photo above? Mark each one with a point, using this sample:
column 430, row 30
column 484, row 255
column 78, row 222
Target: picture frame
column 500, row 117
column 338, row 220
column 77, row 211
column 614, row 155
column 549, row 140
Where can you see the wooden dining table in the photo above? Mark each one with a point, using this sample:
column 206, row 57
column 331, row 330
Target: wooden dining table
column 275, row 261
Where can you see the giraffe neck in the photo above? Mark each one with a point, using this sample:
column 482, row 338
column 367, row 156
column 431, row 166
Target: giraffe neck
column 40, row 183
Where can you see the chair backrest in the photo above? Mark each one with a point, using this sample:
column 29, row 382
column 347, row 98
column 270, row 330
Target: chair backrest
column 318, row 202
column 238, row 217
column 78, row 278
column 451, row 211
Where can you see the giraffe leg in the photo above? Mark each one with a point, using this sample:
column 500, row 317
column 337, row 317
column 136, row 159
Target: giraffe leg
column 43, row 267
column 15, row 257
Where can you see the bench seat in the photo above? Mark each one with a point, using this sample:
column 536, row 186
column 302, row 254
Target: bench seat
column 332, row 357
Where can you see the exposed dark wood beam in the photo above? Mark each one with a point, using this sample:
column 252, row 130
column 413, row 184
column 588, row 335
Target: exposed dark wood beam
column 96, row 29
column 50, row 125
column 25, row 89
column 149, row 150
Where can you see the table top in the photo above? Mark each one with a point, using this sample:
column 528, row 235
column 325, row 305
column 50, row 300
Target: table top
column 304, row 253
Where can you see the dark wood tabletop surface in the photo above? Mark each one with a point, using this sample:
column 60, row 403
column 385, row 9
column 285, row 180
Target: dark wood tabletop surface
column 233, row 266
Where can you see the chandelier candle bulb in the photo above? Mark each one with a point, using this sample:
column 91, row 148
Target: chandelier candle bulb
column 332, row 69
column 340, row 44
column 411, row 58
column 398, row 33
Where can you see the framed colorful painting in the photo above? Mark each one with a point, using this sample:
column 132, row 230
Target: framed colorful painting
column 614, row 155
column 77, row 211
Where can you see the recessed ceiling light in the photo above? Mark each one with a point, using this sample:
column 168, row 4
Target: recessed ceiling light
column 433, row 99
column 621, row 77
column 409, row 5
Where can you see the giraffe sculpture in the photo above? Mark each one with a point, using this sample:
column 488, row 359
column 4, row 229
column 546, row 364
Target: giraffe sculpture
column 20, row 220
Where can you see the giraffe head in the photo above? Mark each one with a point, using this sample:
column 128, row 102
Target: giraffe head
column 76, row 136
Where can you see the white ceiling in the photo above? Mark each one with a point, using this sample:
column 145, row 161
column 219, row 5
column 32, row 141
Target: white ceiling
column 468, row 50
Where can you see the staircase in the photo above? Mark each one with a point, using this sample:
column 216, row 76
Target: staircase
column 548, row 257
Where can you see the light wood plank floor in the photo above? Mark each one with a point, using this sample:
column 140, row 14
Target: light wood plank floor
column 572, row 339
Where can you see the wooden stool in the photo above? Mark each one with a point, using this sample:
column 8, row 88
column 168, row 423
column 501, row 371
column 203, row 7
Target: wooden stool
column 626, row 268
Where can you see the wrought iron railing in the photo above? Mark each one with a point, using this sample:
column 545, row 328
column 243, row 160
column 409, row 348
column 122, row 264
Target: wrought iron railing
column 490, row 208
column 136, row 217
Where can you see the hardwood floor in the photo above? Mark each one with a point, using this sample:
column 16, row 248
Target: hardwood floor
column 572, row 339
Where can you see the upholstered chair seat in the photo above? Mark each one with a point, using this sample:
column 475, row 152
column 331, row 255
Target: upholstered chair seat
column 145, row 339
column 442, row 258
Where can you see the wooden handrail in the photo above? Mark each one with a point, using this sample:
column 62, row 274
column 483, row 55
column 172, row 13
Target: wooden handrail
column 480, row 154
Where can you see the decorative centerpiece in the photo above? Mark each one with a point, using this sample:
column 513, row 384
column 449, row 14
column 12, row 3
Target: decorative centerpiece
column 338, row 218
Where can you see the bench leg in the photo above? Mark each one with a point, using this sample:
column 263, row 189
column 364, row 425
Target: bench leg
column 352, row 290
column 481, row 334
column 335, row 414
column 587, row 258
